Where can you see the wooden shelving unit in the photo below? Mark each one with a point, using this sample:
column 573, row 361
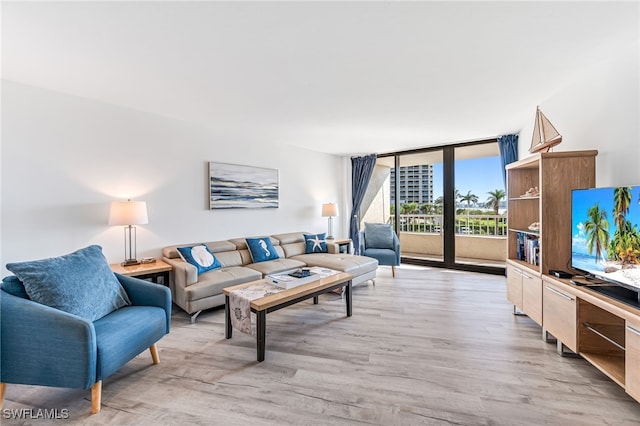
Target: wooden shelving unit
column 602, row 330
column 612, row 365
column 601, row 339
column 555, row 174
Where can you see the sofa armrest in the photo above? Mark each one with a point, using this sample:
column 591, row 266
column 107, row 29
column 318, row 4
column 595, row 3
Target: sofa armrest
column 40, row 345
column 361, row 242
column 183, row 273
column 332, row 248
column 145, row 293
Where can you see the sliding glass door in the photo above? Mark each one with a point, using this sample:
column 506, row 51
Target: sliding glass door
column 419, row 203
column 480, row 221
column 437, row 200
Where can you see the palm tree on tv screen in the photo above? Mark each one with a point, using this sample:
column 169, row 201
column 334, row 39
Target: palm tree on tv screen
column 621, row 203
column 597, row 229
column 625, row 245
column 627, row 248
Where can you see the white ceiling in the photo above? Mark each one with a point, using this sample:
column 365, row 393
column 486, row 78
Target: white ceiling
column 336, row 77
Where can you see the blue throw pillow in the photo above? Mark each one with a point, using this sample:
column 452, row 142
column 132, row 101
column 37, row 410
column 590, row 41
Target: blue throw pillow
column 13, row 286
column 378, row 235
column 315, row 243
column 201, row 257
column 80, row 283
column 261, row 249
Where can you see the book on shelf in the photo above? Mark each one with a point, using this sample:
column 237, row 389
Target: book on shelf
column 528, row 248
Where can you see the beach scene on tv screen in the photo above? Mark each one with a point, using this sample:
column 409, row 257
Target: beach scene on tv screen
column 605, row 234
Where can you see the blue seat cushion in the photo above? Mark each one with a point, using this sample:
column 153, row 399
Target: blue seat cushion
column 385, row 256
column 118, row 344
column 378, row 235
column 80, row 283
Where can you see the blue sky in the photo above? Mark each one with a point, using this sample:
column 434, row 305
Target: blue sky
column 478, row 175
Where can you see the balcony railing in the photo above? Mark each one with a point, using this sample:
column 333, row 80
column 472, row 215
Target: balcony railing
column 486, row 225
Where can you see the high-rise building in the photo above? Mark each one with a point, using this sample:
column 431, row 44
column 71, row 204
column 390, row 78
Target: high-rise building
column 415, row 184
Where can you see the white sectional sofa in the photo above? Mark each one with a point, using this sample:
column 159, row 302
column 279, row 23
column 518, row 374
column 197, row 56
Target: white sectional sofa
column 195, row 292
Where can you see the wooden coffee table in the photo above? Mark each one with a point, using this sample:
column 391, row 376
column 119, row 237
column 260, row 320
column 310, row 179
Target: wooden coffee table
column 264, row 305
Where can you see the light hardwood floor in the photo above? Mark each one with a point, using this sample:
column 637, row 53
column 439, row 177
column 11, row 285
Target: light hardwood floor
column 430, row 346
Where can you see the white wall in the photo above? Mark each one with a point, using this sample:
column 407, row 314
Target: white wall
column 599, row 108
column 64, row 159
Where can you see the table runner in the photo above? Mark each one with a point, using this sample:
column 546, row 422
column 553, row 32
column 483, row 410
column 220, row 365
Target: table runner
column 240, row 303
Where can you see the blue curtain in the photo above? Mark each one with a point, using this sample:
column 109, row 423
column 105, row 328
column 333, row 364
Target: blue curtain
column 508, row 145
column 361, row 171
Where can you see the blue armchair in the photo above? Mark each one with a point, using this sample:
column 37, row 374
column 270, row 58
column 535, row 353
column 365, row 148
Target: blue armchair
column 380, row 241
column 41, row 345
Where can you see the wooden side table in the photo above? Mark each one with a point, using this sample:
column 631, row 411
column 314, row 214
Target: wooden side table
column 153, row 271
column 344, row 245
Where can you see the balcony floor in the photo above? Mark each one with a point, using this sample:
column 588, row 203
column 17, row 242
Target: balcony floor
column 463, row 260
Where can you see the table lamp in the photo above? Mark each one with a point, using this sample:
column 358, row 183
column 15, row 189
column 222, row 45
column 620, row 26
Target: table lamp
column 329, row 210
column 129, row 213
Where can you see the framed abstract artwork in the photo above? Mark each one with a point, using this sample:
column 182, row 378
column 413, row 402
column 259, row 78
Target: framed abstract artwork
column 232, row 186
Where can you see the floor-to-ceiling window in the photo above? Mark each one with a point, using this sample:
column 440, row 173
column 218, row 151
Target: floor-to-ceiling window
column 439, row 203
column 480, row 222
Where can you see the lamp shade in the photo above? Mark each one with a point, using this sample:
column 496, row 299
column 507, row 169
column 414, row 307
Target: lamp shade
column 329, row 210
column 128, row 213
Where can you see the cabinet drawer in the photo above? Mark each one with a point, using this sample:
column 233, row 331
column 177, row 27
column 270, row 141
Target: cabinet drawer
column 532, row 297
column 559, row 314
column 632, row 358
column 514, row 286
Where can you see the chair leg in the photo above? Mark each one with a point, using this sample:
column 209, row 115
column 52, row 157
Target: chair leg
column 393, row 271
column 154, row 354
column 3, row 388
column 96, row 397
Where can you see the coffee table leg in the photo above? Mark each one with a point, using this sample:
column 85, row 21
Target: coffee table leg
column 315, row 300
column 227, row 318
column 347, row 293
column 261, row 326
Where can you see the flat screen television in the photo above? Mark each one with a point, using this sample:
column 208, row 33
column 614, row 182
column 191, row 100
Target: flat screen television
column 605, row 231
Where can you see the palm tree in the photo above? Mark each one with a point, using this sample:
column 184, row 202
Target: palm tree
column 456, row 196
column 409, row 208
column 439, row 203
column 621, row 202
column 469, row 198
column 597, row 229
column 493, row 201
column 627, row 248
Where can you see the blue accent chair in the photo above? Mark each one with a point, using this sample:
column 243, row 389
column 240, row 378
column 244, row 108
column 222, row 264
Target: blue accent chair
column 380, row 242
column 44, row 346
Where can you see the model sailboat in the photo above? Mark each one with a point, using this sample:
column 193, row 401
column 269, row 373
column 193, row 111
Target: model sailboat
column 545, row 136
